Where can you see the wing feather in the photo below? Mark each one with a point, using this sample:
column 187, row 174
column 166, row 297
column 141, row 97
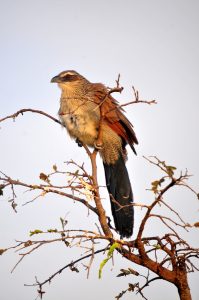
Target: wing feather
column 114, row 116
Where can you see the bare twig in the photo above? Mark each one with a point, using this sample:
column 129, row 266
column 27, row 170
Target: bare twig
column 65, row 267
column 22, row 111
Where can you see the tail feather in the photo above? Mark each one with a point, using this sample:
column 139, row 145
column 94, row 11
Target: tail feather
column 121, row 196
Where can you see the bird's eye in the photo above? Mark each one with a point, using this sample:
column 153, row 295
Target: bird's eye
column 66, row 77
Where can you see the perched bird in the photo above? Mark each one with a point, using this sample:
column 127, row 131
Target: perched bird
column 82, row 104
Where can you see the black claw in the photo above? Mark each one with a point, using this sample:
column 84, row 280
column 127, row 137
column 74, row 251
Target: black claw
column 79, row 143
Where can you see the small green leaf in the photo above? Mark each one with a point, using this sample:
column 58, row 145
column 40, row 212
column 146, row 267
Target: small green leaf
column 154, row 187
column 101, row 266
column 170, row 170
column 52, row 230
column 124, row 273
column 36, row 231
column 156, row 246
column 171, row 167
column 133, row 272
column 155, row 184
column 63, row 222
column 109, row 255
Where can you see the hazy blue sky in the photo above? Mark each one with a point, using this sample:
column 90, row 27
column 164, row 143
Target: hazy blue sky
column 154, row 46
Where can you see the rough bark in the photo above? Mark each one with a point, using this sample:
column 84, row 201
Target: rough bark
column 182, row 281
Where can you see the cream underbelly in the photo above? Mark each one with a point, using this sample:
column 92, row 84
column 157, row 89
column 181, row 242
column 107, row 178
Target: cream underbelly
column 80, row 118
column 82, row 121
column 78, row 126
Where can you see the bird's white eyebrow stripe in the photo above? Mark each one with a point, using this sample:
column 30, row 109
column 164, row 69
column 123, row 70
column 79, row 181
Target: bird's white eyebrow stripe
column 66, row 73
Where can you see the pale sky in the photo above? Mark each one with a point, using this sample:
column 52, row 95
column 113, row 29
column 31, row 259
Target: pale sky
column 154, row 46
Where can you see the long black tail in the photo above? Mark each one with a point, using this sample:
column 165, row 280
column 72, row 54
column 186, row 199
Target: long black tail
column 119, row 187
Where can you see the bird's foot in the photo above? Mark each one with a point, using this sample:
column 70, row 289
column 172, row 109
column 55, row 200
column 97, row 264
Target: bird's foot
column 79, row 143
column 98, row 146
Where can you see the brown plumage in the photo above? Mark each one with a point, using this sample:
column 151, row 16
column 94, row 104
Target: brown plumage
column 81, row 105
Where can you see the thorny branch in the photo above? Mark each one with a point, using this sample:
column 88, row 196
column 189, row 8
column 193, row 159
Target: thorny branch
column 70, row 265
column 73, row 186
column 168, row 256
column 22, row 111
column 140, row 250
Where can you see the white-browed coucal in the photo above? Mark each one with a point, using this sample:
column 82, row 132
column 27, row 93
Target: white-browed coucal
column 84, row 106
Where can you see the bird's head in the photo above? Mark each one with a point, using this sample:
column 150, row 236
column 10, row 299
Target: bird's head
column 68, row 79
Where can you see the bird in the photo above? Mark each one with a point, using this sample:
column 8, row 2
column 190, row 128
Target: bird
column 87, row 108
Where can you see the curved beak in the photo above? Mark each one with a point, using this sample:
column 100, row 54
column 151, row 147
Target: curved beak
column 56, row 79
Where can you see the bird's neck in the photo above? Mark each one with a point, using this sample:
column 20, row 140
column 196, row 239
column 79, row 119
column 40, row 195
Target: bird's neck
column 73, row 90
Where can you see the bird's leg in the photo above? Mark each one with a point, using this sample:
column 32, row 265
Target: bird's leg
column 98, row 144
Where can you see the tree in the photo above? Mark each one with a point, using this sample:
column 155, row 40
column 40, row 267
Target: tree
column 168, row 256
